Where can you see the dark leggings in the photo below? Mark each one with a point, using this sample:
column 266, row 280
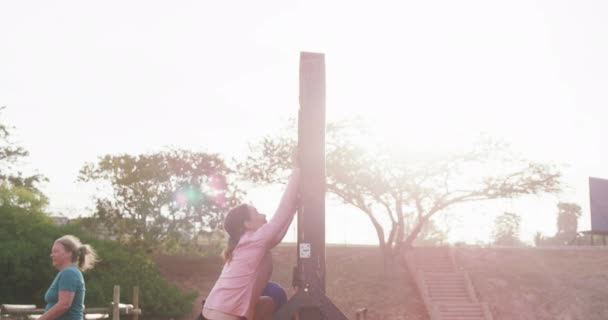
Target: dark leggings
column 201, row 317
column 200, row 314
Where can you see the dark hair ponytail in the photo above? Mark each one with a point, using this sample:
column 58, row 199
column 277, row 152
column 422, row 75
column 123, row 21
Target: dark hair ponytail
column 227, row 254
column 234, row 224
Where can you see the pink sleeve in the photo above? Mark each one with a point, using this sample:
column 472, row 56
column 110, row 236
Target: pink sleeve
column 273, row 232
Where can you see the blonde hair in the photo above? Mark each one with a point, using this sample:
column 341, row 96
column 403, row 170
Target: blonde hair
column 83, row 254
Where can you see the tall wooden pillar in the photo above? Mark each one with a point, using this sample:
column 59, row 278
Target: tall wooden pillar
column 311, row 144
column 310, row 302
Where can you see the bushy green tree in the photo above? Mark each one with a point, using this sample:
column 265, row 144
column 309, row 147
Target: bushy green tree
column 25, row 240
column 162, row 200
column 567, row 218
column 568, row 214
column 17, row 188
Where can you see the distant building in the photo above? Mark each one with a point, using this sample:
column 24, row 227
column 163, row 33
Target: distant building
column 60, row 220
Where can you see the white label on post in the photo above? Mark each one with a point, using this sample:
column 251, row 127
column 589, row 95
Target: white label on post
column 304, row 250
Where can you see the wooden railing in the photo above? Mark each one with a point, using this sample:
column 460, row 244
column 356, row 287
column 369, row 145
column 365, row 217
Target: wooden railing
column 115, row 309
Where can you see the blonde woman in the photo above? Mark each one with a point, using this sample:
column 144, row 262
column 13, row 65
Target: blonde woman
column 65, row 297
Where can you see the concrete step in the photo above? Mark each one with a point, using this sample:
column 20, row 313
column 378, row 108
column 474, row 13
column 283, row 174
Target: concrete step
column 451, row 300
column 461, row 311
column 449, row 293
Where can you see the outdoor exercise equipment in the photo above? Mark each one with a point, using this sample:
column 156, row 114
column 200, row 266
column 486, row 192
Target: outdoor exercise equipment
column 310, row 301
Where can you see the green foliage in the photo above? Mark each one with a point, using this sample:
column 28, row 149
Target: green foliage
column 17, row 189
column 26, row 238
column 23, row 197
column 25, row 241
column 129, row 268
column 164, row 200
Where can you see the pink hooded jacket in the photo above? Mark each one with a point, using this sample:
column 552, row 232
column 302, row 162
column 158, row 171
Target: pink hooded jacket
column 244, row 277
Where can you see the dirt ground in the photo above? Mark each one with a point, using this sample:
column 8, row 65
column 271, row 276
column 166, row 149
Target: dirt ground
column 567, row 283
column 355, row 279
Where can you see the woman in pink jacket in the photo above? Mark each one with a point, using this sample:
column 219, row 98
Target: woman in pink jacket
column 248, row 263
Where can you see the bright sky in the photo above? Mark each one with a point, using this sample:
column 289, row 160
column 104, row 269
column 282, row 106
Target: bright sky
column 81, row 79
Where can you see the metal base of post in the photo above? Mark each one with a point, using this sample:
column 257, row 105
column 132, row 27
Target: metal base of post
column 309, row 307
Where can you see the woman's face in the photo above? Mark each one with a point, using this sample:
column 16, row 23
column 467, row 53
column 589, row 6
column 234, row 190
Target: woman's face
column 60, row 256
column 256, row 219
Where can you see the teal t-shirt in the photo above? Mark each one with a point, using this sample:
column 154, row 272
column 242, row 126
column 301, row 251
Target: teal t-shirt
column 69, row 279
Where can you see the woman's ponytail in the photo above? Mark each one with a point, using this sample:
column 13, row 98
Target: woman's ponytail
column 87, row 257
column 234, row 224
column 227, row 253
column 82, row 254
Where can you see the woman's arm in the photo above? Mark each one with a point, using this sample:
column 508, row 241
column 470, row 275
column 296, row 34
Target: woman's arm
column 65, row 302
column 274, row 231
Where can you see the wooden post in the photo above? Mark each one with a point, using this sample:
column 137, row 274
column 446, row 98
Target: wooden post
column 311, row 144
column 136, row 302
column 310, row 302
column 115, row 303
column 361, row 313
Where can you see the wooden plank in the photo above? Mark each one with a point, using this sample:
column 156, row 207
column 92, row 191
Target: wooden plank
column 28, row 311
column 123, row 309
column 96, row 316
column 18, row 306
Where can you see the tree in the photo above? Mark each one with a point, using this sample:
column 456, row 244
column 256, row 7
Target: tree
column 403, row 188
column 567, row 218
column 507, row 229
column 539, row 239
column 166, row 198
column 16, row 188
column 567, row 224
column 430, row 235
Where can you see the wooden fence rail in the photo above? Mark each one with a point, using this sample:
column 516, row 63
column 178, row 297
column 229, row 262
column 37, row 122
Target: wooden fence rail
column 116, row 309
